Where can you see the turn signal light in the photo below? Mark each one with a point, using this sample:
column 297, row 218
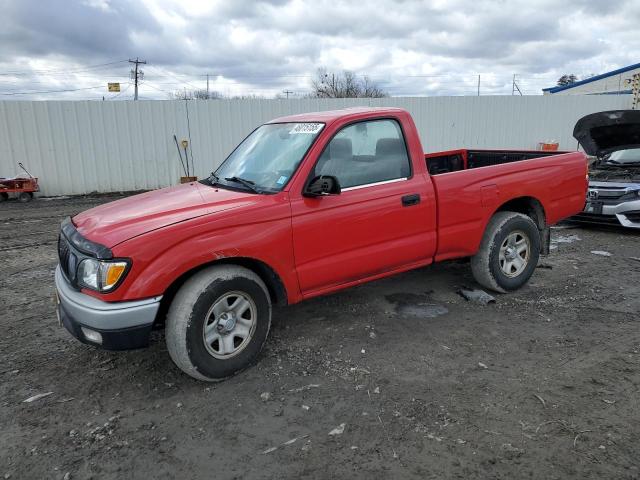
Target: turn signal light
column 113, row 273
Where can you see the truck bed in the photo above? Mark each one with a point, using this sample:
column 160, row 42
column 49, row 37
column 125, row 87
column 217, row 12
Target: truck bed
column 465, row 159
column 469, row 194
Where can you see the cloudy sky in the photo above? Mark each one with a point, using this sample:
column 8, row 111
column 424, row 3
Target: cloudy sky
column 71, row 49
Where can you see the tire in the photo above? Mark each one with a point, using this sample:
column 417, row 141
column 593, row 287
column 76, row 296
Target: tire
column 25, row 197
column 4, row 196
column 192, row 319
column 496, row 265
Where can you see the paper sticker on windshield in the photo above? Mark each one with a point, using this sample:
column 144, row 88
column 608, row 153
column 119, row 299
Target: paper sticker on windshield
column 312, row 128
column 281, row 180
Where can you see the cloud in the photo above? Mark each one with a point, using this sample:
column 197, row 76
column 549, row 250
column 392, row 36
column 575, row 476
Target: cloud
column 410, row 47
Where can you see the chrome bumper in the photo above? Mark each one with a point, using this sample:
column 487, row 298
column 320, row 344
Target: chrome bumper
column 121, row 325
column 618, row 211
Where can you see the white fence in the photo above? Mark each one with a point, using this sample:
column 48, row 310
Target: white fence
column 88, row 146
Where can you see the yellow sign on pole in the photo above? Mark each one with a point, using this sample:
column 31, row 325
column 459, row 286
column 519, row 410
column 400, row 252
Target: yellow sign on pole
column 113, row 87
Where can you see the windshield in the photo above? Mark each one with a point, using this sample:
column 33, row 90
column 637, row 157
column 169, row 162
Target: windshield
column 625, row 157
column 266, row 159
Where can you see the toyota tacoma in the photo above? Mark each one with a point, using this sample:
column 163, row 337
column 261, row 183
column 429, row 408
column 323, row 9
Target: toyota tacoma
column 306, row 205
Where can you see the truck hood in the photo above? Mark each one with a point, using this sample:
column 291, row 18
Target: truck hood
column 605, row 132
column 115, row 222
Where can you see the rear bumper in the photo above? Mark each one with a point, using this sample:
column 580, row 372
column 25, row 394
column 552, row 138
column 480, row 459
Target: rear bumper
column 113, row 326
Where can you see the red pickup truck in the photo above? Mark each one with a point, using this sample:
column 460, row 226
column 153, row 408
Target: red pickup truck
column 306, row 205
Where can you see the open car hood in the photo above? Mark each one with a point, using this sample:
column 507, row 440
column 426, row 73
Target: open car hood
column 605, row 132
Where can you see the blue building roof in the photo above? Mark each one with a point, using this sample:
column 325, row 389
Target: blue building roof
column 592, row 79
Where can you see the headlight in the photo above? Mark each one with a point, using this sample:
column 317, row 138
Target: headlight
column 101, row 275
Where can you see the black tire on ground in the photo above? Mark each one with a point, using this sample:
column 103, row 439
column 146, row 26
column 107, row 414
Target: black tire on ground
column 25, row 197
column 190, row 316
column 4, row 196
column 503, row 273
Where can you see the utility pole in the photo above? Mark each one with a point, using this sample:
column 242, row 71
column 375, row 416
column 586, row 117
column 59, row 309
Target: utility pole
column 136, row 75
column 478, row 84
column 287, row 92
column 207, row 86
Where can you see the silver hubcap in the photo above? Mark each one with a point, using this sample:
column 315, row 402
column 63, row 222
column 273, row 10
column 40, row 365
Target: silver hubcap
column 514, row 254
column 229, row 324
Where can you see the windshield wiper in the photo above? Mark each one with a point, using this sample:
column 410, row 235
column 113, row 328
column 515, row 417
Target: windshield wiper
column 243, row 181
column 212, row 180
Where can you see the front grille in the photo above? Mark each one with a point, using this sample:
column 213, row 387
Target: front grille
column 64, row 254
column 605, row 193
column 610, row 195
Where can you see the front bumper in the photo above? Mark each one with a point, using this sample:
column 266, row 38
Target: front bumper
column 113, row 326
column 625, row 213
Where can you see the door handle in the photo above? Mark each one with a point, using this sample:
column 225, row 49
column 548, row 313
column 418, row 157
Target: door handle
column 412, row 199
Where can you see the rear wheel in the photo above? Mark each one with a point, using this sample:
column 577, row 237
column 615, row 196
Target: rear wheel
column 4, row 196
column 508, row 253
column 218, row 322
column 25, row 197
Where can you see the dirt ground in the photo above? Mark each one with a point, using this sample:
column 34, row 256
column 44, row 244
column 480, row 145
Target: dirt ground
column 543, row 383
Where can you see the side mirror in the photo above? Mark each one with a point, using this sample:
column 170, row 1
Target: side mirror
column 322, row 185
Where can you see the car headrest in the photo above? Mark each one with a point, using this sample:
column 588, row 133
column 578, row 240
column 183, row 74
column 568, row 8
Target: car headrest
column 390, row 146
column 340, row 148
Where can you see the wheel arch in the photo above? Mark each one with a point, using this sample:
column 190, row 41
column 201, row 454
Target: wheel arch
column 275, row 285
column 529, row 206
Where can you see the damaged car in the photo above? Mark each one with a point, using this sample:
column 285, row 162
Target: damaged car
column 613, row 138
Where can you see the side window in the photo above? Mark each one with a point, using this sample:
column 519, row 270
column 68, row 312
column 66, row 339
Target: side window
column 364, row 153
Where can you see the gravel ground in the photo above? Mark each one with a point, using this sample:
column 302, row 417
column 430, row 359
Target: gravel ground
column 399, row 378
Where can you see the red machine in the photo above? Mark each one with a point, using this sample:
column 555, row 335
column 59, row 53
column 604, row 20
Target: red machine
column 23, row 187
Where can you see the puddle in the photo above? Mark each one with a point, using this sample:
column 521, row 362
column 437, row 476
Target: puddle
column 415, row 305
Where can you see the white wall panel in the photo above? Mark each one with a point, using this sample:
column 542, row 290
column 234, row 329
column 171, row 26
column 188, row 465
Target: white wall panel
column 88, row 146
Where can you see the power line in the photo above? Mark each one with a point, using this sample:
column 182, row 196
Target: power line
column 155, row 88
column 51, row 91
column 181, row 81
column 61, row 71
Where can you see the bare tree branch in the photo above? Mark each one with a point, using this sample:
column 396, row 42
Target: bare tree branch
column 195, row 94
column 344, row 85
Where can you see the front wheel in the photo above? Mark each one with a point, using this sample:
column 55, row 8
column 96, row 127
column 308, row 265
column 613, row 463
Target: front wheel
column 508, row 253
column 218, row 322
